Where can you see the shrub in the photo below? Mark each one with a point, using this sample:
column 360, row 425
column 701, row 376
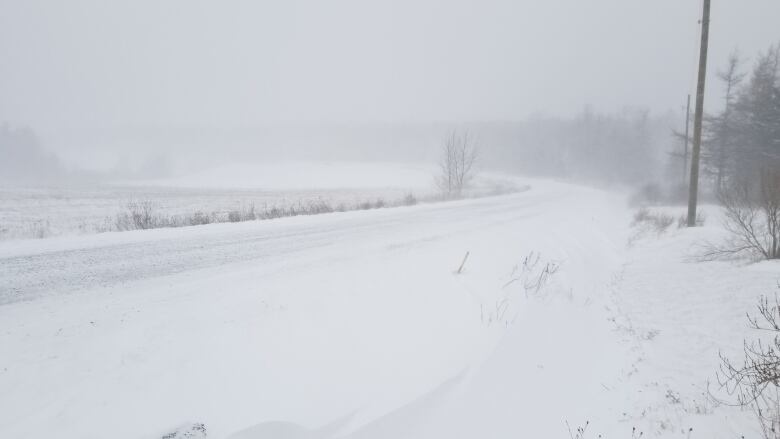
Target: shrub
column 273, row 212
column 249, row 214
column 245, row 214
column 657, row 221
column 318, row 207
column 641, row 215
column 752, row 217
column 139, row 215
column 199, row 218
column 662, row 222
column 755, row 380
column 531, row 274
column 234, row 216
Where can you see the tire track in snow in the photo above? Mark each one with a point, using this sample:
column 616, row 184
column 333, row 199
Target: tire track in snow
column 49, row 271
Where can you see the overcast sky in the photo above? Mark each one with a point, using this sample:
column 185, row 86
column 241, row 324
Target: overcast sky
column 72, row 67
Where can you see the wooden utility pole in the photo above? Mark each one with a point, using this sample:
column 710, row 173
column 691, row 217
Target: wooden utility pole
column 693, row 189
column 687, row 139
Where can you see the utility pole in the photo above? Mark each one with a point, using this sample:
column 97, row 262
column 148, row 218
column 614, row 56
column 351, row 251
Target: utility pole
column 687, row 139
column 693, row 189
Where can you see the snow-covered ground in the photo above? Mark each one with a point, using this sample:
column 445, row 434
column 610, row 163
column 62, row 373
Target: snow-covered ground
column 356, row 325
column 44, row 212
column 78, row 209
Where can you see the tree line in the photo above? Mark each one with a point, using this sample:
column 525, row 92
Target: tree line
column 742, row 143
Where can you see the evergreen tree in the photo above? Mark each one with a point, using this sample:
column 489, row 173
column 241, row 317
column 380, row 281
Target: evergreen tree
column 757, row 119
column 721, row 138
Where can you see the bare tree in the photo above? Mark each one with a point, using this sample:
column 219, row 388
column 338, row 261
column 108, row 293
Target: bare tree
column 755, row 381
column 458, row 157
column 752, row 216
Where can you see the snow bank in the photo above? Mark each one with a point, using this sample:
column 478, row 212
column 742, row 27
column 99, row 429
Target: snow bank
column 355, row 326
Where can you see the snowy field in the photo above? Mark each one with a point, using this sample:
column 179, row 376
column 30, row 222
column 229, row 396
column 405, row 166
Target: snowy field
column 42, row 212
column 357, row 325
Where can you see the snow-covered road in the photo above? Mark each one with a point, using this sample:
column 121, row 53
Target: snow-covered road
column 350, row 316
column 34, row 268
